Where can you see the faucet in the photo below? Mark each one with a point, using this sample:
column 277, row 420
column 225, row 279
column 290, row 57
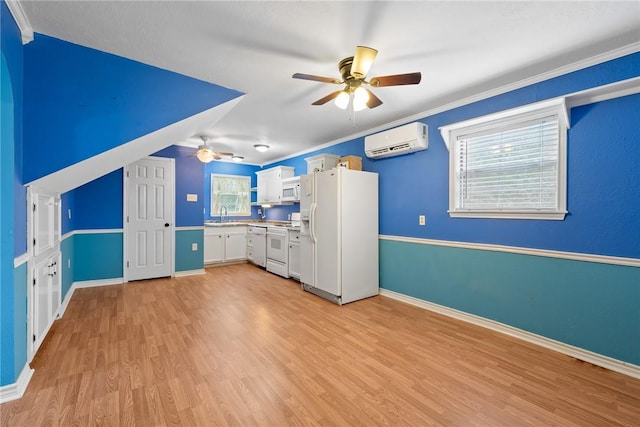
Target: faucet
column 223, row 208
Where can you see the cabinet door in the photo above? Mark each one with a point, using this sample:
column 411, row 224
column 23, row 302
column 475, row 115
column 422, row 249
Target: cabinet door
column 274, row 186
column 235, row 246
column 262, row 195
column 213, row 247
column 294, row 260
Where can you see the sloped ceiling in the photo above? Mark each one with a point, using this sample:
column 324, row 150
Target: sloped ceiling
column 461, row 48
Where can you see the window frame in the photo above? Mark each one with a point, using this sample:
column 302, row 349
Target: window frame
column 498, row 122
column 213, row 196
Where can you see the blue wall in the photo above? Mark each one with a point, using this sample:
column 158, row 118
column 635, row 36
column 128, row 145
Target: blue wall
column 590, row 305
column 13, row 236
column 80, row 102
column 186, row 259
column 585, row 304
column 97, row 256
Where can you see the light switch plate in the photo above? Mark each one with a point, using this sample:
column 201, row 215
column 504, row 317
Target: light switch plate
column 194, row 247
column 422, row 220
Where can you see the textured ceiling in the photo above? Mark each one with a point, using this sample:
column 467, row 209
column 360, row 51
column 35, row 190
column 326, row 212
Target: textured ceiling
column 461, row 48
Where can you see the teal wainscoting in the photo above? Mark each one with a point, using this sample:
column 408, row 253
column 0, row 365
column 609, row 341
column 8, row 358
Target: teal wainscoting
column 591, row 305
column 20, row 310
column 97, row 256
column 186, row 258
column 66, row 269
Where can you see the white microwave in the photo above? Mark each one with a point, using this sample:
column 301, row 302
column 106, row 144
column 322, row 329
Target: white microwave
column 290, row 191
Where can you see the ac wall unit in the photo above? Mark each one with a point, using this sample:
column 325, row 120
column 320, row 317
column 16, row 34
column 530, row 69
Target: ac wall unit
column 394, row 142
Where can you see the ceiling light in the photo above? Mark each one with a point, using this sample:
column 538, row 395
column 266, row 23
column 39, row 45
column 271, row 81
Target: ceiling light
column 237, row 158
column 261, row 147
column 360, row 98
column 342, row 100
column 204, row 154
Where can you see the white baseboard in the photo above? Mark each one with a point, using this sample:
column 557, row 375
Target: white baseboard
column 16, row 390
column 577, row 352
column 99, row 282
column 189, row 272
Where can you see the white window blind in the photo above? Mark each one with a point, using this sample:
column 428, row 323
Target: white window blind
column 232, row 191
column 512, row 169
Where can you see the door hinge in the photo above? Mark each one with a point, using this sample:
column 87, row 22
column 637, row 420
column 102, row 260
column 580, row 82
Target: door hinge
column 34, row 242
column 127, row 264
column 34, row 207
column 127, row 174
column 34, row 281
column 34, row 337
column 127, row 219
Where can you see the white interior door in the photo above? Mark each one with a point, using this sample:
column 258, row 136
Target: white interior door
column 149, row 219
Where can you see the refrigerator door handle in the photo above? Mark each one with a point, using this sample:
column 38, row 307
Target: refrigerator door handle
column 312, row 223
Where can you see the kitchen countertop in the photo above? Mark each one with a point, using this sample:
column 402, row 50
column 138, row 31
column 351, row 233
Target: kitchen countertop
column 249, row 222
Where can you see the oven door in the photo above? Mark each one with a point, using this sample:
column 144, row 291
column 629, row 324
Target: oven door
column 277, row 247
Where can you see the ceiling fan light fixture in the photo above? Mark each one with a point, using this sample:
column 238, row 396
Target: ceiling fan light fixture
column 204, row 154
column 362, row 61
column 237, row 158
column 342, row 100
column 360, row 98
column 261, row 147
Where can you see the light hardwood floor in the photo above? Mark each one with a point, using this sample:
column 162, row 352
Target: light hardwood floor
column 240, row 346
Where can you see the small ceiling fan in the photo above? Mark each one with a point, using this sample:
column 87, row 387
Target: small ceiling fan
column 354, row 71
column 205, row 154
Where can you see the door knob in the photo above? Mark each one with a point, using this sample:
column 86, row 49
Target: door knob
column 166, row 224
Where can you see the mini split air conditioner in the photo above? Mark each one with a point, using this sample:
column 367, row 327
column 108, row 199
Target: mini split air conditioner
column 394, row 142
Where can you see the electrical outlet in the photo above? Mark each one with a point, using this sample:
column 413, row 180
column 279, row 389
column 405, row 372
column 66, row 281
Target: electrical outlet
column 194, row 247
column 422, row 220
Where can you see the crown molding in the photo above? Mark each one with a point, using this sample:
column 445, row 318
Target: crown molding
column 26, row 31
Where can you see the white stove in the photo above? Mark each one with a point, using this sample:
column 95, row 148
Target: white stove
column 277, row 250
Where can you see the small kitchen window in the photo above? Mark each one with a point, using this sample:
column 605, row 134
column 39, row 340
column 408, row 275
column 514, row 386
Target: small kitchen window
column 232, row 192
column 510, row 164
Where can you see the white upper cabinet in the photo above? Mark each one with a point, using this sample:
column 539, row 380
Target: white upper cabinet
column 270, row 184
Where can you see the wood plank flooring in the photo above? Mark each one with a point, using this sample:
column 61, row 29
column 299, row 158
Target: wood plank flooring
column 239, row 346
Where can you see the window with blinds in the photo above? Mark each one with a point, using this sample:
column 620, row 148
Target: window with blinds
column 231, row 191
column 513, row 167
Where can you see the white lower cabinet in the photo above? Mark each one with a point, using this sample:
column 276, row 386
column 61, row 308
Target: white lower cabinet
column 294, row 254
column 225, row 244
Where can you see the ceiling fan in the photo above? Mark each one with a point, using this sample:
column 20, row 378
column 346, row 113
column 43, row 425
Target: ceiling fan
column 354, row 71
column 205, row 154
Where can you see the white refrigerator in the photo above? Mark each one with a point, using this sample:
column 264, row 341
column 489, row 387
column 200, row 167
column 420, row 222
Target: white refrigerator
column 339, row 234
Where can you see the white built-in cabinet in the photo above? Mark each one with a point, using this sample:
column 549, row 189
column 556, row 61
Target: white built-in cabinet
column 45, row 282
column 321, row 162
column 225, row 244
column 270, row 183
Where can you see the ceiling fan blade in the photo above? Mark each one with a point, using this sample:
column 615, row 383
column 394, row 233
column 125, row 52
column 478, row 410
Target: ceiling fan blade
column 327, row 98
column 316, row 78
column 222, row 153
column 396, row 80
column 373, row 101
column 362, row 61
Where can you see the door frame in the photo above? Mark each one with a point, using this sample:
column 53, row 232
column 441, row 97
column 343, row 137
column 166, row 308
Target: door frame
column 125, row 208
